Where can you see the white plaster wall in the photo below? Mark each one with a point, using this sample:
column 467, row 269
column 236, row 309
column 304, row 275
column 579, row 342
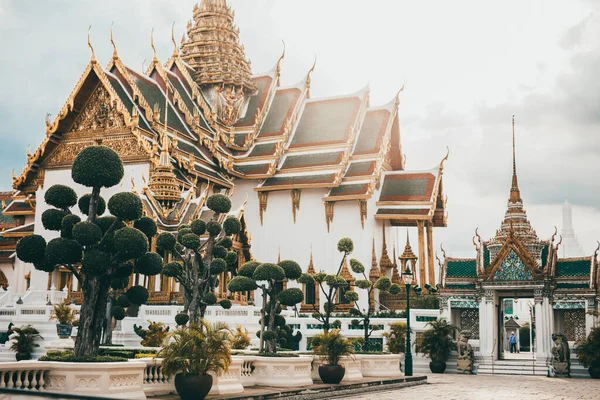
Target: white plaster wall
column 310, row 229
column 39, row 279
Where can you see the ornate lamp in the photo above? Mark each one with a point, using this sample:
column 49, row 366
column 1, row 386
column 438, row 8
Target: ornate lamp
column 408, row 259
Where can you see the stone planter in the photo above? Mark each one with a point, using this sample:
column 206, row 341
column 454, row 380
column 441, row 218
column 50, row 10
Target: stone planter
column 119, row 380
column 380, row 365
column 282, row 371
column 229, row 382
column 64, row 330
column 352, row 365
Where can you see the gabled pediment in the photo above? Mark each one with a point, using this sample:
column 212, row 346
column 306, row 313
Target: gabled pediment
column 513, row 263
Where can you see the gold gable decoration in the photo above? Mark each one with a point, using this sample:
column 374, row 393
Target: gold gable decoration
column 99, row 114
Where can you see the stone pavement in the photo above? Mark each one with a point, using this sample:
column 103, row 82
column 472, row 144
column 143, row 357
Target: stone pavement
column 492, row 387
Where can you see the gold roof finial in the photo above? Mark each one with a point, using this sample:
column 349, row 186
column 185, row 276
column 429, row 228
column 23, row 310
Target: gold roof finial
column 385, row 261
column 175, row 49
column 93, row 59
column 280, row 59
column 310, row 71
column 155, row 59
column 515, row 194
column 445, row 158
column 143, row 65
column 115, row 54
column 279, row 255
column 374, row 273
column 311, row 266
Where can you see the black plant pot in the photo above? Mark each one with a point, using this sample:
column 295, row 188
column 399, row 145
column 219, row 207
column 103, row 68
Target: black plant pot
column 594, row 372
column 64, row 330
column 332, row 373
column 437, row 367
column 193, row 387
column 23, row 356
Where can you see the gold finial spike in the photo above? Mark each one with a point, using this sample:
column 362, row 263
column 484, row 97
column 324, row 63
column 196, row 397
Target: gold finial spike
column 93, row 59
column 445, row 158
column 515, row 194
column 279, row 255
column 175, row 49
column 143, row 65
column 155, row 59
column 112, row 41
column 310, row 71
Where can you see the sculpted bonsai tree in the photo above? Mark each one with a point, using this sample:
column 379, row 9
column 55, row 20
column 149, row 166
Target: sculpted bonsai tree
column 254, row 275
column 198, row 264
column 329, row 285
column 383, row 284
column 101, row 252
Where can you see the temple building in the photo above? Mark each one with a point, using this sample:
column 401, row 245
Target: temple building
column 517, row 264
column 570, row 245
column 301, row 172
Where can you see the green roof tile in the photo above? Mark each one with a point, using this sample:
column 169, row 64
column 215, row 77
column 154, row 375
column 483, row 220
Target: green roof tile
column 466, row 286
column 462, row 268
column 572, row 286
column 573, row 267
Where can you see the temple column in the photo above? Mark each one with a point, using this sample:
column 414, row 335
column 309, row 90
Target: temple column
column 422, row 270
column 543, row 320
column 486, row 325
column 430, row 264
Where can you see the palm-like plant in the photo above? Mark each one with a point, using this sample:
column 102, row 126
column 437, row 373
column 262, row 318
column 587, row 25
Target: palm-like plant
column 64, row 313
column 332, row 346
column 197, row 350
column 437, row 342
column 23, row 341
column 396, row 337
column 240, row 338
column 588, row 351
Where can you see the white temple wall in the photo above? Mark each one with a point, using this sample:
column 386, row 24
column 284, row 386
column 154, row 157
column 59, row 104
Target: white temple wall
column 295, row 239
column 39, row 279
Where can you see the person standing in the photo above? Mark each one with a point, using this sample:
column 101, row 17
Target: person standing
column 513, row 343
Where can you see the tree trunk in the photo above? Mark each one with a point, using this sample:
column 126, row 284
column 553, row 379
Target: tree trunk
column 262, row 319
column 273, row 343
column 92, row 211
column 91, row 318
column 366, row 327
column 108, row 321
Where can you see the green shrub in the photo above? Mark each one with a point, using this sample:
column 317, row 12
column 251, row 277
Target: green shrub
column 247, row 269
column 147, row 226
column 218, row 266
column 63, row 251
column 290, row 297
column 232, row 226
column 242, row 284
column 69, row 357
column 226, row 242
column 126, row 206
column 267, row 272
column 165, row 242
column 67, row 224
column 95, row 263
column 60, row 196
column 226, row 304
column 130, row 243
column 52, row 219
column 118, row 312
column 291, row 269
column 356, row 266
column 219, row 252
column 84, row 204
column 123, row 301
column 219, row 203
column 345, row 245
column 198, row 227
column 137, row 295
column 31, row 249
column 182, row 319
column 97, row 166
column 149, row 264
column 213, row 228
column 87, row 233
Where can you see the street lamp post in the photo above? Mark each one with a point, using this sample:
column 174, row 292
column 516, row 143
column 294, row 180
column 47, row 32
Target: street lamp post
column 407, row 277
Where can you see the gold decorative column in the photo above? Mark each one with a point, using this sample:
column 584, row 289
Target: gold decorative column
column 422, row 274
column 430, row 263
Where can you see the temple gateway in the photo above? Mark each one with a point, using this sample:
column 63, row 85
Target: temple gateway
column 513, row 266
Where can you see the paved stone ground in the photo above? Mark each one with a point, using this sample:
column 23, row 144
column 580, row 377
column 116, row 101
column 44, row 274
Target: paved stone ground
column 493, row 387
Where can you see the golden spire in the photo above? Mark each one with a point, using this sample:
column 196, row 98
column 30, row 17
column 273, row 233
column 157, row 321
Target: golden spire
column 408, row 253
column 155, row 59
column 515, row 194
column 311, row 266
column 385, row 258
column 374, row 273
column 214, row 28
column 279, row 255
column 395, row 275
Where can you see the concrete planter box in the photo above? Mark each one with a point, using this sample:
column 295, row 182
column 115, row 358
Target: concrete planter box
column 380, row 365
column 351, row 364
column 119, row 380
column 229, row 382
column 282, row 371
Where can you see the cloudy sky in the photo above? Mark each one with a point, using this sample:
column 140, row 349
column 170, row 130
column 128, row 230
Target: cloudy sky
column 468, row 65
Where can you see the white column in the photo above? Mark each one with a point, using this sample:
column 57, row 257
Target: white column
column 487, row 326
column 590, row 320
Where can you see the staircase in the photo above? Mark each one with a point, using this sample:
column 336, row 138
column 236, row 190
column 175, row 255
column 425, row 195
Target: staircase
column 513, row 367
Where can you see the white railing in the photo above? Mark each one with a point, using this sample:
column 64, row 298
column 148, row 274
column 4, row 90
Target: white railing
column 28, row 375
column 247, row 372
column 156, row 382
column 38, row 297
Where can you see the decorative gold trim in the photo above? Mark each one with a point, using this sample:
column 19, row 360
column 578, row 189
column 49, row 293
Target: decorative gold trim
column 295, row 193
column 363, row 212
column 329, row 213
column 262, row 203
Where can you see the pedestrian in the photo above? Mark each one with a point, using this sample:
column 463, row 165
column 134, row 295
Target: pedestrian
column 513, row 343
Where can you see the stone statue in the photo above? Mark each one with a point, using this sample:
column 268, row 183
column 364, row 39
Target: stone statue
column 465, row 353
column 561, row 356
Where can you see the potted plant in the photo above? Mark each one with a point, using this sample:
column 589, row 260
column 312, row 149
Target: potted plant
column 240, row 340
column 588, row 352
column 66, row 317
column 437, row 343
column 23, row 341
column 332, row 346
column 192, row 353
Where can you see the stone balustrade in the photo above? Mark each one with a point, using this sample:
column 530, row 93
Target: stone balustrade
column 29, row 375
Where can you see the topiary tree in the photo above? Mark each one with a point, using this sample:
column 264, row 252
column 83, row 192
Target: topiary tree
column 199, row 263
column 254, row 275
column 329, row 285
column 99, row 251
column 383, row 284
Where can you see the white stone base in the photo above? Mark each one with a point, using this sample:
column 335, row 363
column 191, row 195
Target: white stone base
column 380, row 365
column 120, row 380
column 229, row 382
column 283, row 371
